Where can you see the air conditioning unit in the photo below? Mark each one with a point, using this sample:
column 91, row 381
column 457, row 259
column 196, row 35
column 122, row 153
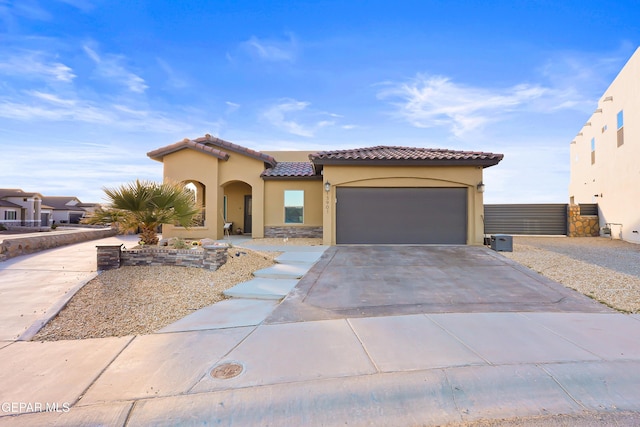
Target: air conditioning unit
column 502, row 242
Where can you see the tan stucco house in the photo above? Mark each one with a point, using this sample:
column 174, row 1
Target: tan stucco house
column 605, row 166
column 383, row 194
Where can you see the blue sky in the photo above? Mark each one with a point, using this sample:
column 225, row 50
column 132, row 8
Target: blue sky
column 88, row 87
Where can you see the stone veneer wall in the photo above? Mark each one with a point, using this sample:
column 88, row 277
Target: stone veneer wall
column 582, row 225
column 12, row 247
column 293, row 232
column 210, row 258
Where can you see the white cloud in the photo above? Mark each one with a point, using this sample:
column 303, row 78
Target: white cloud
column 109, row 66
column 38, row 105
column 174, row 79
column 293, row 117
column 35, row 65
column 430, row 101
column 272, row 50
column 231, row 107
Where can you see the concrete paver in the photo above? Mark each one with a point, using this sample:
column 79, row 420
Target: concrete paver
column 262, row 288
column 411, row 342
column 283, row 271
column 54, row 372
column 295, row 352
column 609, row 336
column 502, row 338
column 600, row 386
column 231, row 313
column 162, row 365
column 308, row 258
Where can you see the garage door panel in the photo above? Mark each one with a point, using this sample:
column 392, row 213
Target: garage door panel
column 401, row 215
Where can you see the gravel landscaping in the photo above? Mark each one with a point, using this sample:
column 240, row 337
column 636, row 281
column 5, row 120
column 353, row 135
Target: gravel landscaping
column 603, row 269
column 141, row 300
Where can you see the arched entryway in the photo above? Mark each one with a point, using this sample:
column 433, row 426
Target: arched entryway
column 238, row 206
column 199, row 195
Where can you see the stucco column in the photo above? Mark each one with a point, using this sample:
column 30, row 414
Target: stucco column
column 36, row 211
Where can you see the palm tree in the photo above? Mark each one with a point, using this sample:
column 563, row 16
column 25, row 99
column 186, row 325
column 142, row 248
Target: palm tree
column 146, row 205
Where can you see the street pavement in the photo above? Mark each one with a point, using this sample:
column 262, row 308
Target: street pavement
column 317, row 361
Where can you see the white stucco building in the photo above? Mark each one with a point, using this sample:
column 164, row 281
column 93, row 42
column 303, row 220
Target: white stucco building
column 605, row 156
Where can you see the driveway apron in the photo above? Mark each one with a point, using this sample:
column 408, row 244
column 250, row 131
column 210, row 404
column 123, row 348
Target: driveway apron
column 370, row 281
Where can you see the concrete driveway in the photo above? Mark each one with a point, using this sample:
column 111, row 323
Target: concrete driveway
column 369, row 281
column 438, row 368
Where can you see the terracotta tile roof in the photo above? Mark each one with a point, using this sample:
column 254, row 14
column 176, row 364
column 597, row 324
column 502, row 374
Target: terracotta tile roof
column 187, row 143
column 235, row 148
column 291, row 170
column 406, row 156
column 214, row 146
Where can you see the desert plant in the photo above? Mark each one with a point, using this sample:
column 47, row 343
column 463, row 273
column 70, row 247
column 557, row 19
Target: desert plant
column 145, row 205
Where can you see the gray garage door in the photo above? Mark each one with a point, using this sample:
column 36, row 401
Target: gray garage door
column 401, row 215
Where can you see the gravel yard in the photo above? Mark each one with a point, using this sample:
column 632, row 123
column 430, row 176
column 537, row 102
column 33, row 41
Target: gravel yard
column 603, row 269
column 141, row 300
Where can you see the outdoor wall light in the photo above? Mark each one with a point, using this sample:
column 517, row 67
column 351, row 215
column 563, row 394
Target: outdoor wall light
column 327, row 186
column 480, row 187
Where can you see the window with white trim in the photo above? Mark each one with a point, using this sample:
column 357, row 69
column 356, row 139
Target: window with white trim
column 10, row 215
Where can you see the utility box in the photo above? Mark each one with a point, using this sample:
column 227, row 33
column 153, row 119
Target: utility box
column 502, row 243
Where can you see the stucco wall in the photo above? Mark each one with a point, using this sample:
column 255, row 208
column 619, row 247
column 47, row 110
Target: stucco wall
column 274, row 208
column 190, row 165
column 405, row 176
column 215, row 175
column 616, row 172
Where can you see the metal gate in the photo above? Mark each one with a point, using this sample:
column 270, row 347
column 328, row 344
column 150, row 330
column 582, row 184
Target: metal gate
column 536, row 219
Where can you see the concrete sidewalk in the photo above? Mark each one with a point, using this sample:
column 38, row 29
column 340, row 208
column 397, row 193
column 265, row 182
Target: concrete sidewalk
column 417, row 369
column 33, row 286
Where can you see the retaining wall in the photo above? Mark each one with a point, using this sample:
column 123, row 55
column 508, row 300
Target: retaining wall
column 209, row 257
column 14, row 246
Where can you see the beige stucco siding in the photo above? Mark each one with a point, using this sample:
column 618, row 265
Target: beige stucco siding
column 216, row 175
column 247, row 170
column 406, row 176
column 190, row 165
column 290, row 156
column 274, row 202
column 612, row 179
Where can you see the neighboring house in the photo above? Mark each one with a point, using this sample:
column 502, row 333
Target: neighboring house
column 89, row 208
column 21, row 209
column 605, row 156
column 66, row 209
column 373, row 195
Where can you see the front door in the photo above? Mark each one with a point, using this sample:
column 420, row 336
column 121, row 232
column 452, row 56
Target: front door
column 247, row 214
